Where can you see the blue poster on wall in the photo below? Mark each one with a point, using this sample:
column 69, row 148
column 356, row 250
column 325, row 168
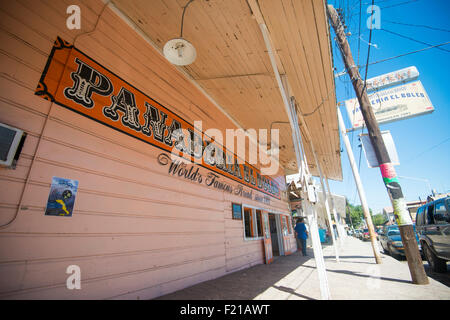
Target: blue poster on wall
column 62, row 197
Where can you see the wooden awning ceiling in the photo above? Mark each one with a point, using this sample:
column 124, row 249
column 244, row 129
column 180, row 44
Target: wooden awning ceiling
column 233, row 65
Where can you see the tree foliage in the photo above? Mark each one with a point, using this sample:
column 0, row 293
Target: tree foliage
column 356, row 213
column 357, row 216
column 378, row 219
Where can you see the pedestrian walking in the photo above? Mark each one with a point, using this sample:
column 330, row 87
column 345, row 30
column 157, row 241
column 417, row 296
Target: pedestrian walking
column 302, row 235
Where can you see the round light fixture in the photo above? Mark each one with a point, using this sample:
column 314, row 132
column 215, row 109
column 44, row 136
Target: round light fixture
column 179, row 51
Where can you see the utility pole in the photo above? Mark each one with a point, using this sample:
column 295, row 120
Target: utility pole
column 359, row 186
column 388, row 174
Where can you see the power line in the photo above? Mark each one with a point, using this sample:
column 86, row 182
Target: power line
column 394, row 5
column 429, row 149
column 368, row 51
column 401, row 55
column 399, row 4
column 408, row 53
column 364, row 87
column 359, row 29
column 416, row 25
column 412, row 39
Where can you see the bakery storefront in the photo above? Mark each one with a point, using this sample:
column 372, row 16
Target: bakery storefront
column 112, row 177
column 117, row 180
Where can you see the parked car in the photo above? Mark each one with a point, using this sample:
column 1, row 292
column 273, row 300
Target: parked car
column 433, row 227
column 391, row 241
column 358, row 234
column 365, row 235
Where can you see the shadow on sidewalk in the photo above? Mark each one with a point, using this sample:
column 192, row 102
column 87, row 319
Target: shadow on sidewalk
column 358, row 274
column 354, row 257
column 349, row 257
column 244, row 284
column 292, row 291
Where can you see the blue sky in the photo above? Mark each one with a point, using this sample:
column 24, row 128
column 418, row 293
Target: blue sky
column 423, row 143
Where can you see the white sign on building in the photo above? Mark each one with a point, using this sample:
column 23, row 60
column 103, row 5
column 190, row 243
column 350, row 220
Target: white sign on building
column 397, row 103
column 392, row 78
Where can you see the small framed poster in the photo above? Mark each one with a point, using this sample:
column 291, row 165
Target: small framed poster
column 237, row 211
column 61, row 198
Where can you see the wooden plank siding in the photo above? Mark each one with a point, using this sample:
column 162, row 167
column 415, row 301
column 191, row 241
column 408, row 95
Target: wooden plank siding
column 136, row 232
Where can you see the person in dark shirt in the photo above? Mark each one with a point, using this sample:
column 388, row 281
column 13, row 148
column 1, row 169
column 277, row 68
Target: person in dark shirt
column 302, row 234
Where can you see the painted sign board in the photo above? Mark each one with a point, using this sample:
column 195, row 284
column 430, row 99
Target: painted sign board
column 397, row 103
column 392, row 78
column 372, row 161
column 73, row 80
column 61, row 199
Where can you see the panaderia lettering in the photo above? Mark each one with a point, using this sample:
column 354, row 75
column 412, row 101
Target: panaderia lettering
column 73, row 80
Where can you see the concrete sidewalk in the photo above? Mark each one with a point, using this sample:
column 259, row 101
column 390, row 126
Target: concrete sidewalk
column 356, row 277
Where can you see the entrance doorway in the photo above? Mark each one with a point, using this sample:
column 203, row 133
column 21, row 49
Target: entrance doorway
column 274, row 234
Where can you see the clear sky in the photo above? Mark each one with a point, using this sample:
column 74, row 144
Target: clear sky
column 423, row 143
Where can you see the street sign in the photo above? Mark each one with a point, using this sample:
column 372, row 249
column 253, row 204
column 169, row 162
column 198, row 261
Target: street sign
column 372, row 161
column 392, row 78
column 397, row 103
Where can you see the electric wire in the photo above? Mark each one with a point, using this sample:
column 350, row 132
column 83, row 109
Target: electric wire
column 412, row 39
column 401, row 55
column 428, row 150
column 182, row 17
column 368, row 52
column 416, row 25
column 359, row 30
column 399, row 4
column 394, row 5
column 95, row 26
column 364, row 87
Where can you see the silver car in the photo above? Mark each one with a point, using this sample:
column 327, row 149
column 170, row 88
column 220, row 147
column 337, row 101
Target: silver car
column 433, row 228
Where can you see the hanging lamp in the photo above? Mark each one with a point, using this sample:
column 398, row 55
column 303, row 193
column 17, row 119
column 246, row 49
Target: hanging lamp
column 179, row 51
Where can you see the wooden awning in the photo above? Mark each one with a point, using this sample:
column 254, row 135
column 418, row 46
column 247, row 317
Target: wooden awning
column 233, row 65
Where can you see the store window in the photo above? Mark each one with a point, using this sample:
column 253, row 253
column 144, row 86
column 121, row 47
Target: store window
column 253, row 224
column 248, row 225
column 259, row 224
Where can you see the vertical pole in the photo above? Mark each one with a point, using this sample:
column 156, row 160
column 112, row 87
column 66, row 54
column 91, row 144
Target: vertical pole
column 336, row 216
column 295, row 137
column 327, row 209
column 359, row 186
column 388, row 174
column 317, row 248
column 311, row 213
